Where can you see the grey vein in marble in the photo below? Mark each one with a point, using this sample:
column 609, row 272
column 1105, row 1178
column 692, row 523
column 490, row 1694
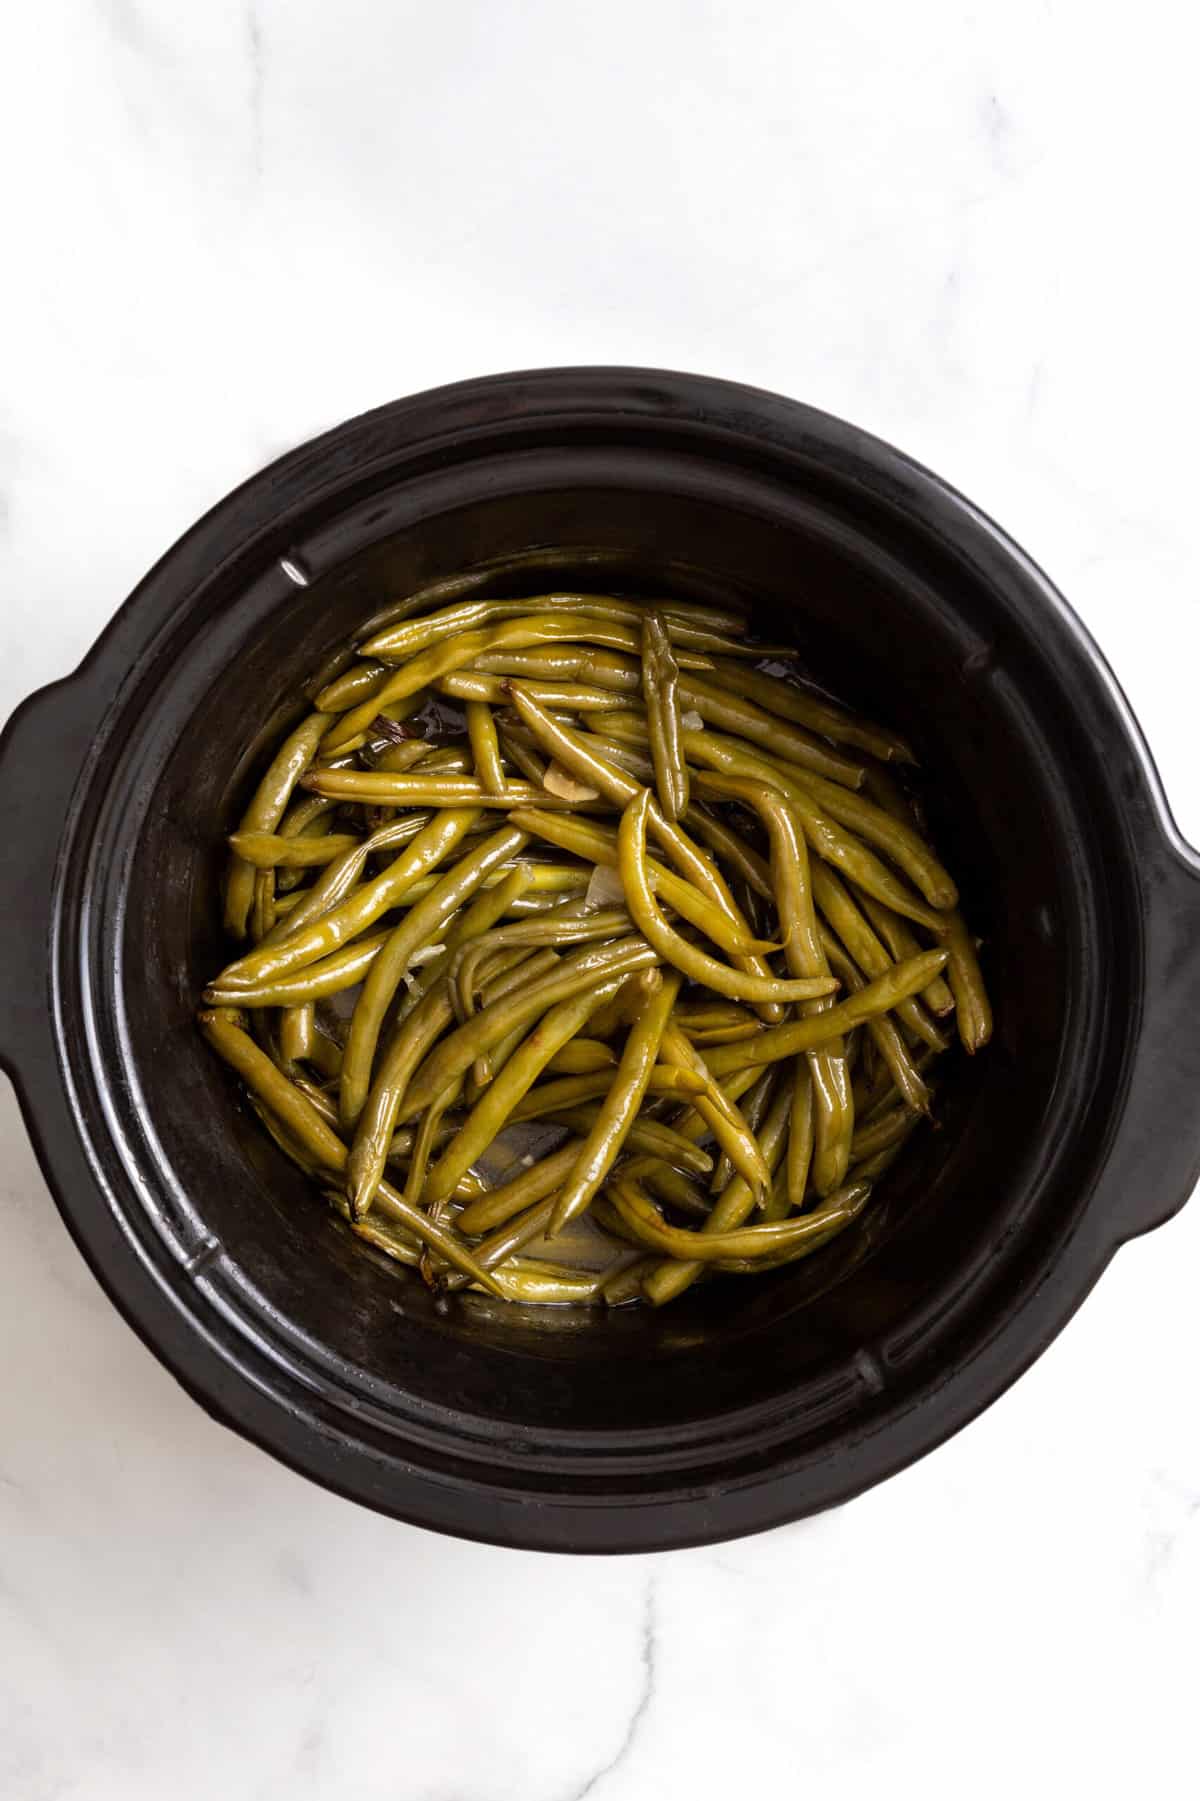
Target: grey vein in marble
column 649, row 1659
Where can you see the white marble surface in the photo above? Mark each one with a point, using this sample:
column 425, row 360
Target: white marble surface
column 967, row 227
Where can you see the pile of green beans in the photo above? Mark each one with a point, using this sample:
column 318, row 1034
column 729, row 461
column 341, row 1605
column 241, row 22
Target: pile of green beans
column 584, row 952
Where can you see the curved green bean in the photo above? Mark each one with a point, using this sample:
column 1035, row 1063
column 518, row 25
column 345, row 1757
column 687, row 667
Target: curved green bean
column 696, row 964
column 265, row 811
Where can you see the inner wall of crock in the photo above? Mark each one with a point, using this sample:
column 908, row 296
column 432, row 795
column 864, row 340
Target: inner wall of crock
column 886, row 625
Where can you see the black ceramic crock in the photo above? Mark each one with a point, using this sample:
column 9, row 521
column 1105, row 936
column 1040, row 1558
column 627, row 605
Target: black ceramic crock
column 750, row 1402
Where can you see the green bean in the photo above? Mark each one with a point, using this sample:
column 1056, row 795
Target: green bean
column 972, row 1007
column 423, row 1144
column 532, row 1183
column 827, row 1221
column 648, row 1137
column 745, row 719
column 356, row 913
column 325, row 1055
column 567, row 663
column 789, row 702
column 799, row 1153
column 871, row 1002
column 907, row 849
column 625, row 1284
column 441, row 658
column 502, row 1244
column 640, row 1213
column 588, row 838
column 579, row 971
column 734, row 1204
column 883, row 1031
column 471, row 686
column 318, row 1141
column 332, row 975
column 409, row 640
column 622, row 1102
column 416, row 1030
column 549, row 1288
column 718, row 1111
column 362, row 681
column 492, row 1111
column 270, row 850
column 660, row 687
column 902, row 942
column 485, row 746
column 266, row 810
column 753, row 1110
column 888, row 1128
column 582, row 1057
column 335, row 883
column 792, row 876
column 563, row 926
column 866, row 951
column 262, row 907
column 387, row 971
column 827, row 838
column 617, row 788
column 379, row 788
column 297, row 1028
column 568, row 1091
column 695, row 963
column 671, row 1185
column 716, row 1022
column 395, row 759
column 733, row 850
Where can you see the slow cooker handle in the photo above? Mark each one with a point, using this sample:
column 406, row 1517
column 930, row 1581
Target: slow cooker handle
column 1159, row 1143
column 43, row 748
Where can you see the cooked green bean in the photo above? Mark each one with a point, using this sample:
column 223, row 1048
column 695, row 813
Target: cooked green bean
column 460, row 989
column 402, row 642
column 696, row 964
column 865, row 949
column 799, row 1153
column 903, row 942
column 588, row 838
column 569, row 1091
column 380, row 788
column 266, row 810
column 578, row 972
column 355, row 914
column 331, row 975
column 818, row 715
column 485, row 746
column 648, row 1137
column 419, row 928
column 618, row 1114
column 830, row 840
column 660, row 689
column 271, row 850
column 882, row 1030
column 875, row 999
column 474, row 688
column 582, row 1057
column 492, row 1112
column 716, row 1108
column 318, row 1141
column 442, row 658
column 972, row 1008
column 716, row 706
column 572, row 751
